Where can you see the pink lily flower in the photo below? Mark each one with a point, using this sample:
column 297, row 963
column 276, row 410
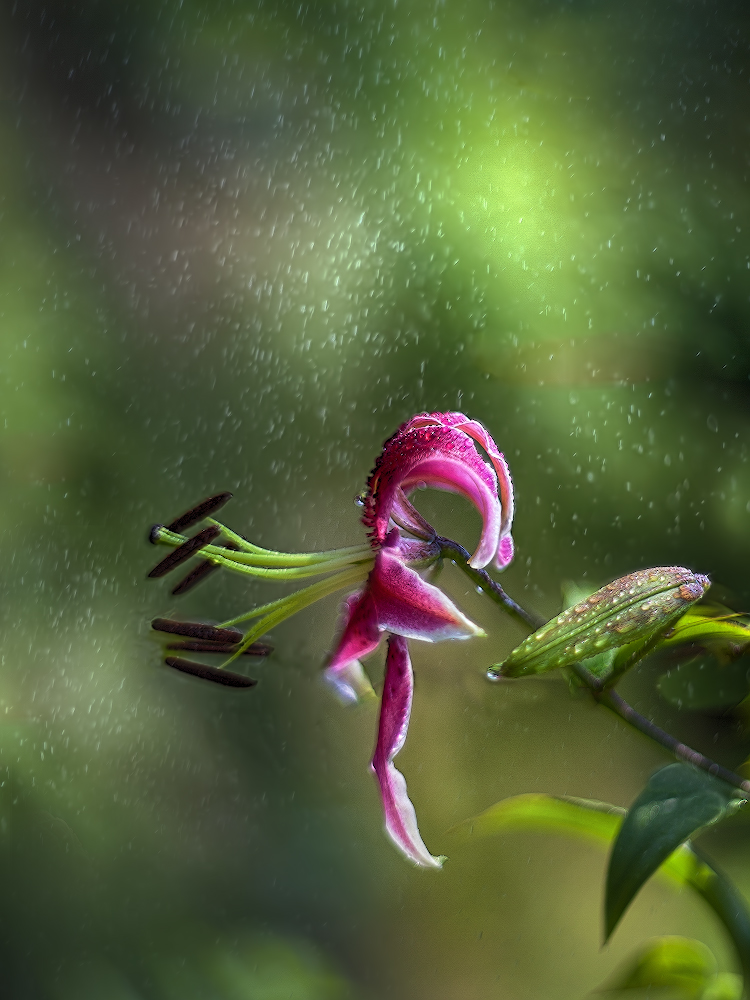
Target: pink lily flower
column 431, row 449
column 434, row 449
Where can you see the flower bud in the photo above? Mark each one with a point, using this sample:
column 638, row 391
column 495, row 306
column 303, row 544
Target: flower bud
column 627, row 610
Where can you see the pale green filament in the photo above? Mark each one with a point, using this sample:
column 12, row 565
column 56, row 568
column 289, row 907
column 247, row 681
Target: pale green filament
column 278, row 611
column 353, row 565
column 275, row 565
column 291, row 558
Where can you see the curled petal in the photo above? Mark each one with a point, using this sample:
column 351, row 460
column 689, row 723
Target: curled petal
column 478, row 433
column 395, row 709
column 359, row 637
column 476, row 484
column 408, row 606
column 430, row 451
column 406, row 515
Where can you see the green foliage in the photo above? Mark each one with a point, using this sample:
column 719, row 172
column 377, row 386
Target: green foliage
column 598, row 822
column 713, row 626
column 602, row 823
column 590, row 820
column 674, row 968
column 681, row 967
column 703, row 682
column 676, row 803
column 724, row 986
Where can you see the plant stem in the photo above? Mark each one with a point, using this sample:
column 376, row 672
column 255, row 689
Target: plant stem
column 620, row 707
column 605, row 696
column 460, row 556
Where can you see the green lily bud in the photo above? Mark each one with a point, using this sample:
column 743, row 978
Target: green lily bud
column 625, row 611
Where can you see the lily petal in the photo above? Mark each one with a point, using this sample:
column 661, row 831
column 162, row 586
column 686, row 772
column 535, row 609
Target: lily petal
column 478, row 433
column 359, row 637
column 430, row 452
column 395, row 709
column 408, row 606
column 406, row 515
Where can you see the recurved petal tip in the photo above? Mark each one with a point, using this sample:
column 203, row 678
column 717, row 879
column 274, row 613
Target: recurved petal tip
column 401, row 818
column 505, row 552
column 395, row 709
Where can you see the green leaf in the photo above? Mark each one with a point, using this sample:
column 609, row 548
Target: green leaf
column 702, row 682
column 677, row 801
column 682, row 966
column 725, row 986
column 599, row 822
column 536, row 811
column 585, row 819
column 713, row 626
column 628, row 610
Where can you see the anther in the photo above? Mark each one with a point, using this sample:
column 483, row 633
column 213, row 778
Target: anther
column 200, row 572
column 207, row 673
column 226, row 648
column 195, row 576
column 204, row 509
column 197, row 630
column 184, row 551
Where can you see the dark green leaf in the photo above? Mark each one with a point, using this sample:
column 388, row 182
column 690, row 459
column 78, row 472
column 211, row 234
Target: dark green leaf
column 702, row 682
column 677, row 802
column 682, row 966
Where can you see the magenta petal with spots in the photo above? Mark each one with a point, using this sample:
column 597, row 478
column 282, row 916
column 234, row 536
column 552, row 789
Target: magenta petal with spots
column 475, row 430
column 408, row 606
column 360, row 636
column 395, row 709
column 438, row 449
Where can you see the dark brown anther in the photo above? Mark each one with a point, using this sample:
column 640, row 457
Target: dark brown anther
column 204, row 509
column 226, row 648
column 184, row 551
column 197, row 630
column 201, row 571
column 207, row 673
column 195, row 576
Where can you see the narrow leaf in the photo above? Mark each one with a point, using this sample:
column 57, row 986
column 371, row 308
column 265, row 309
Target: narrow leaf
column 709, row 626
column 536, row 811
column 677, row 802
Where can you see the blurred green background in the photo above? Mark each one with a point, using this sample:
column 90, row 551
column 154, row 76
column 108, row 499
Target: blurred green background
column 241, row 241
